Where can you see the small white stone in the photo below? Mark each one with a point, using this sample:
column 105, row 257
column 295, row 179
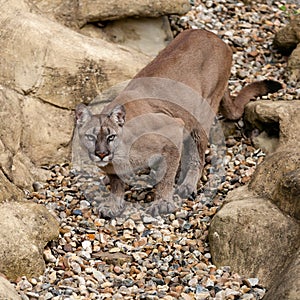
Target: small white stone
column 209, row 283
column 52, row 277
column 75, row 267
column 140, row 228
column 253, row 281
column 175, row 223
column 33, row 281
column 84, row 204
column 99, row 276
column 129, row 224
column 86, row 245
column 193, row 282
column 48, row 256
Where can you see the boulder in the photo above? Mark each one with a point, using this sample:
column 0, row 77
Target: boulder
column 8, row 190
column 7, row 290
column 253, row 237
column 274, row 118
column 46, row 140
column 25, row 229
column 282, row 290
column 280, row 119
column 293, row 66
column 257, row 230
column 282, row 184
column 50, row 62
column 47, row 69
column 28, row 141
column 287, row 41
column 147, row 35
column 86, row 11
column 287, row 38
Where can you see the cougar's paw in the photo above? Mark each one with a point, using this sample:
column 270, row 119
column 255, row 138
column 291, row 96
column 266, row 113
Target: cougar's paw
column 111, row 208
column 161, row 207
column 185, row 190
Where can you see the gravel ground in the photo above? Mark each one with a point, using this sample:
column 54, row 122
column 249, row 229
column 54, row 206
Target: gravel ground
column 140, row 257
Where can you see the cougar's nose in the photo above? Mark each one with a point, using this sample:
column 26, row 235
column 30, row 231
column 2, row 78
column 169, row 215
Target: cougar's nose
column 101, row 154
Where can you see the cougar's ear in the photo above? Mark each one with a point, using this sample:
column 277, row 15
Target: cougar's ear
column 118, row 115
column 82, row 114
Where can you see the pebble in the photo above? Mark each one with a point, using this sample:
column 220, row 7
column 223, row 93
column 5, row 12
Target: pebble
column 48, row 256
column 99, row 276
column 140, row 228
column 251, row 282
column 24, row 284
column 161, row 258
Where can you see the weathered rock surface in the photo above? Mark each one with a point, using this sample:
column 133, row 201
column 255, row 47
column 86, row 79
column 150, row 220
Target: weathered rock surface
column 46, row 70
column 277, row 179
column 275, row 119
column 287, row 41
column 8, row 190
column 293, row 67
column 252, row 236
column 281, row 290
column 257, row 231
column 86, row 11
column 57, row 65
column 147, row 35
column 29, row 140
column 7, row 291
column 25, row 229
column 282, row 184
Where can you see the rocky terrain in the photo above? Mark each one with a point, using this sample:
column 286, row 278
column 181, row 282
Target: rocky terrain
column 140, row 257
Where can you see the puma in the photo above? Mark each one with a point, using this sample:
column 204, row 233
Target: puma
column 161, row 120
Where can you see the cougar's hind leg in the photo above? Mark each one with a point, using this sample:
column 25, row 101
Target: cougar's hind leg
column 115, row 204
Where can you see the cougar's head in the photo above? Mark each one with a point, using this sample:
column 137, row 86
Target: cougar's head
column 100, row 134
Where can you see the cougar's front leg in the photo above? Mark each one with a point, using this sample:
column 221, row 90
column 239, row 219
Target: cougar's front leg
column 192, row 162
column 114, row 205
column 164, row 203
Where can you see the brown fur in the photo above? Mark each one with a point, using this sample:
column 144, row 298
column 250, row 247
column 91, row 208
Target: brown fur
column 202, row 62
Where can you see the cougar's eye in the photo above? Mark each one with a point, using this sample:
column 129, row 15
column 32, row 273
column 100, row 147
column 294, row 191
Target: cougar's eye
column 90, row 137
column 111, row 137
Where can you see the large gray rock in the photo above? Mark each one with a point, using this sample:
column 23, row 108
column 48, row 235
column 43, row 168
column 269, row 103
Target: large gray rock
column 86, row 11
column 253, row 237
column 7, row 291
column 287, row 41
column 282, row 290
column 257, row 231
column 46, row 69
column 57, row 65
column 25, row 229
column 8, row 190
column 147, row 35
column 29, row 140
column 287, row 38
column 282, row 184
column 278, row 119
column 293, row 66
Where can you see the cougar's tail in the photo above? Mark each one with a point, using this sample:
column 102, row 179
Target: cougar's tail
column 233, row 109
column 258, row 89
